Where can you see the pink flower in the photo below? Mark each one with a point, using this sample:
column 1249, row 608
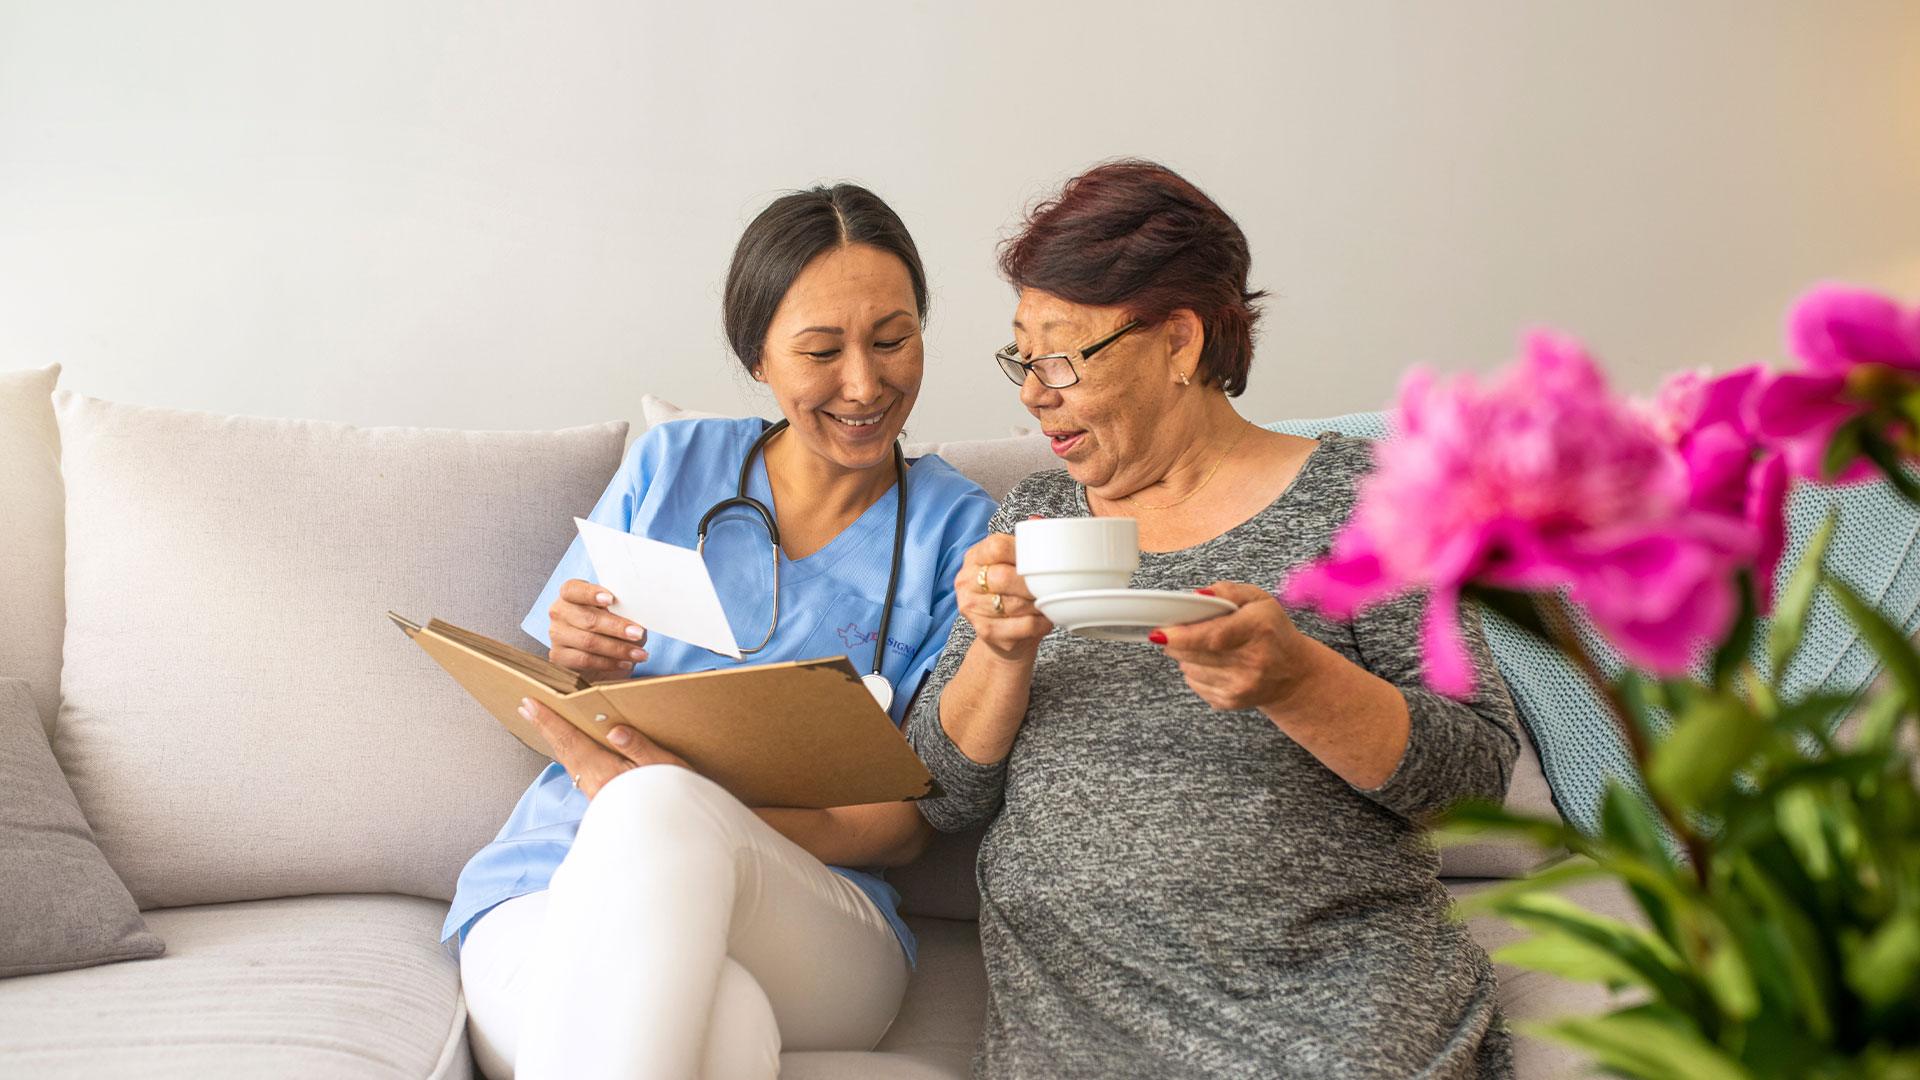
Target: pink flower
column 1539, row 481
column 1730, row 471
column 1851, row 342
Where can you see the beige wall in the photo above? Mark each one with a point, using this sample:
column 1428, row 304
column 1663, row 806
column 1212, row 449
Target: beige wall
column 507, row 214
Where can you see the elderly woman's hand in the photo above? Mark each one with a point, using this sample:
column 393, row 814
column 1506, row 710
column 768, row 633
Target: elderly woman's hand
column 590, row 764
column 1247, row 659
column 995, row 599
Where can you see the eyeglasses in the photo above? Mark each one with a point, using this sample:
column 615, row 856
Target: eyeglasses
column 1054, row 370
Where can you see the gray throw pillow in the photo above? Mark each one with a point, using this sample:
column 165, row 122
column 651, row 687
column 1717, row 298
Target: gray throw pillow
column 62, row 905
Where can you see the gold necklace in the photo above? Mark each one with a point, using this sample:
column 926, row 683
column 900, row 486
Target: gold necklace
column 1216, row 468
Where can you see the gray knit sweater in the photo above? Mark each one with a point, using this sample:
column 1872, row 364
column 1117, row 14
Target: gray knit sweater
column 1170, row 891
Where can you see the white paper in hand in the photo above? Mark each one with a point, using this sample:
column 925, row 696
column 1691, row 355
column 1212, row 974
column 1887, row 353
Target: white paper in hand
column 662, row 587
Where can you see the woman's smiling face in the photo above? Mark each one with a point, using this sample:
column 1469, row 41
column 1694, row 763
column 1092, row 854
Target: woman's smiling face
column 1106, row 428
column 844, row 355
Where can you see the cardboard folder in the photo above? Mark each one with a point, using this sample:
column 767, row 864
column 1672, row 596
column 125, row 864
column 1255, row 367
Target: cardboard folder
column 801, row 734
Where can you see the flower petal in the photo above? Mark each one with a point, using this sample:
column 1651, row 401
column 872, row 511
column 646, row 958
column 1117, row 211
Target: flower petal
column 1835, row 327
column 1445, row 665
column 1342, row 585
column 1798, row 414
column 1766, row 512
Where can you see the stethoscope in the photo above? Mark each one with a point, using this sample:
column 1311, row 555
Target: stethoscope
column 876, row 683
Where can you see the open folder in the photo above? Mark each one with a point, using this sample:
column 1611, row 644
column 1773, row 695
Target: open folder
column 803, row 734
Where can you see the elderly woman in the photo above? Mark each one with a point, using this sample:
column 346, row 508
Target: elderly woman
column 1202, row 859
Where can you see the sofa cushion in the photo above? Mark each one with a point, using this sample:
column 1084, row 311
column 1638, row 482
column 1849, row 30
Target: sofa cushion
column 62, row 905
column 31, row 544
column 240, row 718
column 941, row 882
column 658, row 410
column 939, row 1022
column 994, row 464
column 330, row 986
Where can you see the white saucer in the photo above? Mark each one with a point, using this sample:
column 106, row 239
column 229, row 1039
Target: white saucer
column 1127, row 614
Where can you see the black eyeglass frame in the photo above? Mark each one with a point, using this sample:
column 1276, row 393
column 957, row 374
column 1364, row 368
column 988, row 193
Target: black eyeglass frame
column 1009, row 359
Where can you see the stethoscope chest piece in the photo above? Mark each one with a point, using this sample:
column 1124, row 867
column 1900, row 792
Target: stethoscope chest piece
column 880, row 688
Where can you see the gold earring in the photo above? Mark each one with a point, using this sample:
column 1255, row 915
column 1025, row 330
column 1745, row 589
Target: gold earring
column 1183, row 378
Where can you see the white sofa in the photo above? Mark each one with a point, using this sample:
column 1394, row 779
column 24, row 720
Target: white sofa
column 287, row 788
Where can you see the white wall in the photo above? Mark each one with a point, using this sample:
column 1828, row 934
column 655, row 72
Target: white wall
column 460, row 213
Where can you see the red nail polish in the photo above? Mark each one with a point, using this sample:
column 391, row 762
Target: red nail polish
column 1204, row 592
column 1036, row 517
column 1157, row 638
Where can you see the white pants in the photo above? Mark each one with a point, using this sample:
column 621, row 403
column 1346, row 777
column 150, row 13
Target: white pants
column 681, row 938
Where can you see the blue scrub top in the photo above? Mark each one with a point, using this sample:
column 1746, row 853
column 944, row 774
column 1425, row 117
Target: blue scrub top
column 829, row 606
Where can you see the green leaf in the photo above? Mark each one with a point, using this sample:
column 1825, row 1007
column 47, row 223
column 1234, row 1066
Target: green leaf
column 1880, row 720
column 1714, row 737
column 1730, row 978
column 1497, row 898
column 1791, row 606
column 1892, row 646
column 1880, row 1064
column 1886, row 967
column 1516, row 607
column 1658, row 967
column 1733, row 652
column 1815, row 714
column 1760, row 692
column 1626, row 822
column 1628, row 825
column 1798, row 812
column 1637, row 1044
column 1469, row 821
column 1651, row 702
column 1568, row 957
column 1844, row 447
column 1789, row 935
column 1887, row 459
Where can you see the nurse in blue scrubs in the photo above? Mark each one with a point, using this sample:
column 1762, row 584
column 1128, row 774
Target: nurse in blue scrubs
column 632, row 919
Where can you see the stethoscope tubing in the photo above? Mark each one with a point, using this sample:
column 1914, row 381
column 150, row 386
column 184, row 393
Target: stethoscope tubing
column 741, row 498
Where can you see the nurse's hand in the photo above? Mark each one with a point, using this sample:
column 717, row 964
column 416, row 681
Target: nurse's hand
column 590, row 639
column 590, row 764
column 995, row 599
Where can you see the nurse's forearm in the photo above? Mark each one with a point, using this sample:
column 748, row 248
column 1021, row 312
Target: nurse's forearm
column 880, row 834
column 985, row 702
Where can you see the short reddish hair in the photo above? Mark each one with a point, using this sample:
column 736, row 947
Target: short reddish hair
column 1137, row 236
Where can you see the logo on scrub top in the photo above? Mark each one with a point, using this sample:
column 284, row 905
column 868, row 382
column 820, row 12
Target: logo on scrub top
column 851, row 635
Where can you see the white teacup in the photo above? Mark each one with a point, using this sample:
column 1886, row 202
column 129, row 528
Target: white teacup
column 1057, row 555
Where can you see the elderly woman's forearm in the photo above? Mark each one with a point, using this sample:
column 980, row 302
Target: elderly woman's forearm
column 880, row 834
column 1353, row 721
column 983, row 706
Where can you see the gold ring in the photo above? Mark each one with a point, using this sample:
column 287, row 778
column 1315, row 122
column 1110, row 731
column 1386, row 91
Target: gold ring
column 981, row 578
column 998, row 607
